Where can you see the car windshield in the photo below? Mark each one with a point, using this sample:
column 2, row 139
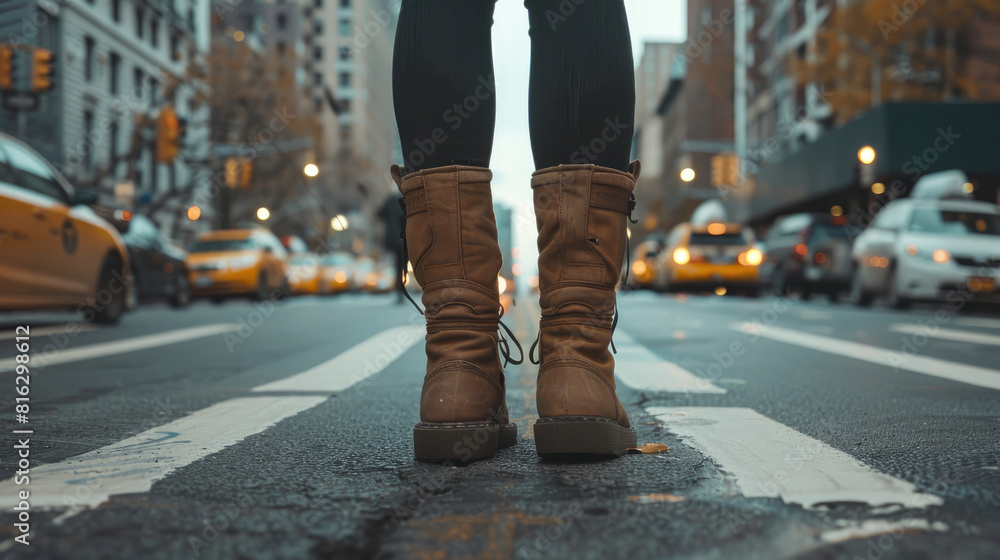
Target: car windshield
column 724, row 239
column 822, row 232
column 214, row 245
column 954, row 222
column 303, row 260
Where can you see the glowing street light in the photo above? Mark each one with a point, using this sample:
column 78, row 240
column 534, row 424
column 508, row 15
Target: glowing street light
column 310, row 170
column 339, row 223
column 263, row 213
column 687, row 175
column 866, row 155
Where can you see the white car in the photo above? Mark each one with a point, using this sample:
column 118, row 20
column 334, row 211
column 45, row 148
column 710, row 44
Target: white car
column 929, row 250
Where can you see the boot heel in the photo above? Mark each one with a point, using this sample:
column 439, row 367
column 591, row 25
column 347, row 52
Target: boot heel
column 582, row 435
column 461, row 441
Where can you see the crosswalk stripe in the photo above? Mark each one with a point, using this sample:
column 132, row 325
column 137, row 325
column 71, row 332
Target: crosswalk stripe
column 134, row 464
column 978, row 322
column 37, row 332
column 643, row 370
column 41, row 357
column 897, row 360
column 770, row 460
column 947, row 334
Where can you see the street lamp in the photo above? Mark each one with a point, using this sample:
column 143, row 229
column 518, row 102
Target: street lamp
column 339, row 223
column 310, row 170
column 263, row 213
column 866, row 155
column 687, row 175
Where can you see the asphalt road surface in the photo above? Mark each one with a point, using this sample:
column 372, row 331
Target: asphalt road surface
column 795, row 430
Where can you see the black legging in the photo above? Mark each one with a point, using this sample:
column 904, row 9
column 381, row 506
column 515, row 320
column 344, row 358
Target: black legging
column 581, row 97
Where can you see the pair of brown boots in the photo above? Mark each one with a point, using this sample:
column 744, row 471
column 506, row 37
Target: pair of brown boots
column 451, row 235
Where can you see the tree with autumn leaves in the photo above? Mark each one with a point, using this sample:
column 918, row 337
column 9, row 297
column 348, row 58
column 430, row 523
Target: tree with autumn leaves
column 905, row 50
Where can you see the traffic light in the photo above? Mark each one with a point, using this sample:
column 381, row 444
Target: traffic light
column 239, row 171
column 42, row 62
column 6, row 68
column 168, row 135
column 725, row 170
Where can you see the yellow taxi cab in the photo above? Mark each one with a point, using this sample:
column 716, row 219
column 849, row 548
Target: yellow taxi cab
column 55, row 252
column 336, row 272
column 238, row 262
column 717, row 257
column 644, row 264
column 304, row 273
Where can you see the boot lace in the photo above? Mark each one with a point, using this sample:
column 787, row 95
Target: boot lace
column 502, row 344
column 628, row 269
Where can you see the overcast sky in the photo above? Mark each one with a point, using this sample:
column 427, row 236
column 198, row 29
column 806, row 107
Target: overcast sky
column 650, row 20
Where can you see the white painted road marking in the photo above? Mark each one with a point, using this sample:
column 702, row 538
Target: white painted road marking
column 947, row 334
column 134, row 464
column 643, row 370
column 770, row 460
column 898, row 360
column 91, row 351
column 38, row 332
column 978, row 322
column 354, row 365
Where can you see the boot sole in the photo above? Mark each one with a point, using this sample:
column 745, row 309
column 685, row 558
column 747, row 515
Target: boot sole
column 461, row 441
column 583, row 436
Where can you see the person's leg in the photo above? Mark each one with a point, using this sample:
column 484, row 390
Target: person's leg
column 442, row 83
column 581, row 105
column 445, row 109
column 581, row 111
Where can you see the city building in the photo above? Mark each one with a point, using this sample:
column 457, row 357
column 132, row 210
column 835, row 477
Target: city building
column 824, row 78
column 118, row 63
column 660, row 64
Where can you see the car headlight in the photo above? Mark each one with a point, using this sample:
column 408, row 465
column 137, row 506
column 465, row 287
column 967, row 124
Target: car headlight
column 682, row 256
column 938, row 255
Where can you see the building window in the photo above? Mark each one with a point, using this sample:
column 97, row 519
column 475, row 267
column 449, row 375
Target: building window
column 88, row 133
column 116, row 63
column 282, row 47
column 154, row 92
column 318, row 79
column 175, row 46
column 282, row 21
column 113, row 150
column 190, row 19
column 345, row 79
column 345, row 3
column 318, row 104
column 138, row 83
column 154, row 32
column 345, row 106
column 345, row 133
column 317, row 53
column 116, row 10
column 345, row 53
column 88, row 58
column 318, row 27
column 344, row 27
column 318, row 3
column 139, row 22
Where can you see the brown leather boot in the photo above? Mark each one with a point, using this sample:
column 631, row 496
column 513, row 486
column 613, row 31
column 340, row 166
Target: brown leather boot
column 582, row 213
column 451, row 237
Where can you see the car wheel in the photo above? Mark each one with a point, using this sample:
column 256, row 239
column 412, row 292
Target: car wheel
column 893, row 297
column 109, row 301
column 260, row 294
column 779, row 281
column 859, row 296
column 218, row 300
column 807, row 293
column 133, row 293
column 834, row 296
column 182, row 292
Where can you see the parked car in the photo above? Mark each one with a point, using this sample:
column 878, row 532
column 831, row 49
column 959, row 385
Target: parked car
column 238, row 262
column 708, row 257
column 304, row 273
column 926, row 250
column 158, row 267
column 790, row 249
column 55, row 252
column 336, row 273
